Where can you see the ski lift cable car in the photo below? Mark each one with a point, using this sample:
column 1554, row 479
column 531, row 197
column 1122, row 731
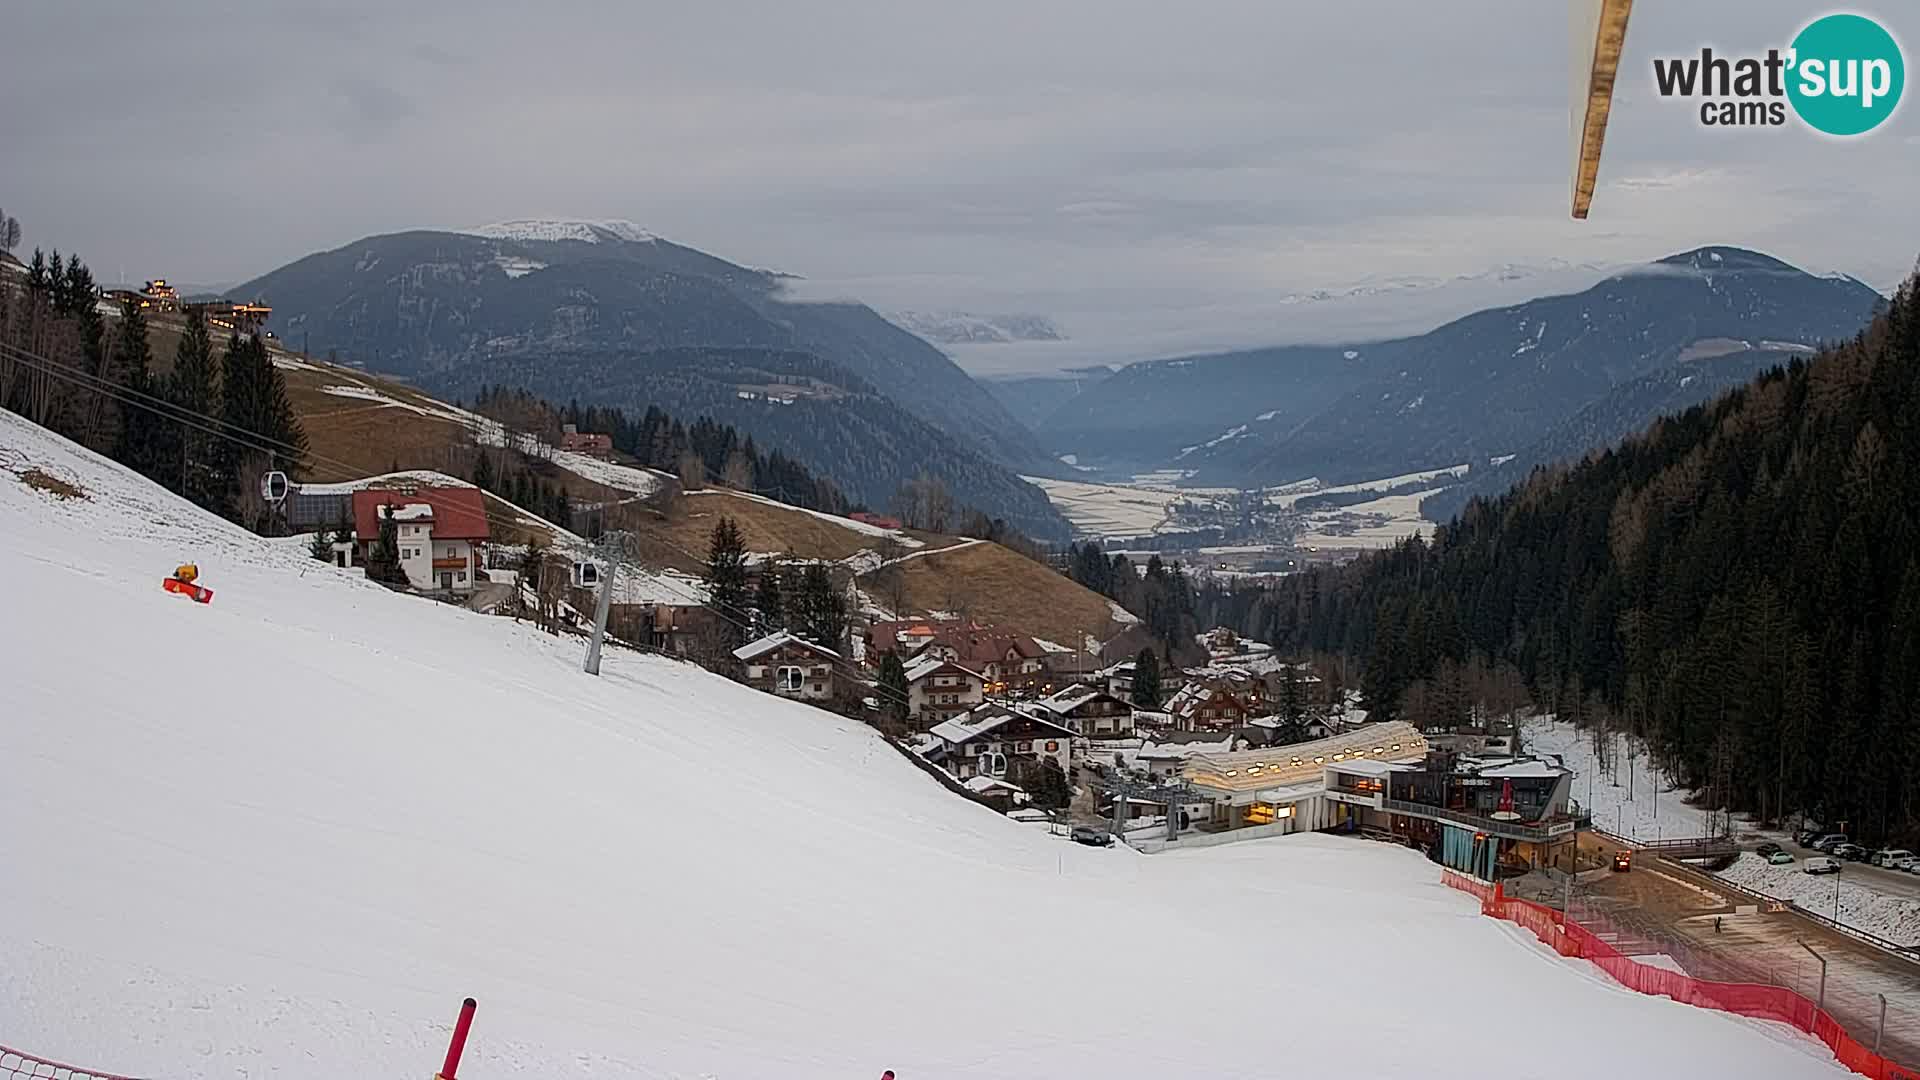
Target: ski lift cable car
column 274, row 487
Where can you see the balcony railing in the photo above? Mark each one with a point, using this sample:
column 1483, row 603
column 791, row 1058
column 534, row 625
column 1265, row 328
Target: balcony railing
column 1539, row 832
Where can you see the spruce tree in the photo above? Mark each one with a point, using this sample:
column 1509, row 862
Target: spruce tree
column 139, row 442
column 321, row 547
column 726, row 579
column 383, row 562
column 194, row 388
column 893, row 689
column 1146, row 680
column 768, row 603
column 825, row 607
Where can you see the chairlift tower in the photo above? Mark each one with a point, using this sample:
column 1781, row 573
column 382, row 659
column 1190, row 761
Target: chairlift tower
column 1171, row 795
column 610, row 549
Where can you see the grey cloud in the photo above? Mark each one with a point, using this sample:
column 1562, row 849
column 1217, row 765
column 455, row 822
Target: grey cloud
column 1159, row 177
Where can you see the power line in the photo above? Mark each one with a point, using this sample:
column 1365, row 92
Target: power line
column 189, row 417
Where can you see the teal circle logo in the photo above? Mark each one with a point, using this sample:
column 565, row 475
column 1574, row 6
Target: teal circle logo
column 1847, row 74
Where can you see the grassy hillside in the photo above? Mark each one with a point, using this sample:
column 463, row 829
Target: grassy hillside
column 362, row 425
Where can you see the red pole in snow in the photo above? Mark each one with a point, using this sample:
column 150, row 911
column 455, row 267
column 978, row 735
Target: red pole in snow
column 459, row 1042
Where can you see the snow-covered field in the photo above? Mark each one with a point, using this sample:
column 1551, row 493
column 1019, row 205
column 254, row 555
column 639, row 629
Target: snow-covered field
column 1144, row 507
column 282, row 835
column 1895, row 918
column 1398, row 517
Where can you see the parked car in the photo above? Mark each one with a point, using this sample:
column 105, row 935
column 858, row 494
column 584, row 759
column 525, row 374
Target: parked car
column 1893, row 858
column 1830, row 841
column 1849, row 852
column 1821, row 864
column 1767, row 849
column 1781, row 858
column 1806, row 837
column 1092, row 835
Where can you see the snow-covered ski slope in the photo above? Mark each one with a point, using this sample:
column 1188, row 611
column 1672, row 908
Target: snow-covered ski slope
column 282, row 835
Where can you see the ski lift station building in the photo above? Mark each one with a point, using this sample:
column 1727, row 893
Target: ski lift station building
column 1475, row 814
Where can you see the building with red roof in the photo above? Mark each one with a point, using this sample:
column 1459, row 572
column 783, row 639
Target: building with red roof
column 441, row 532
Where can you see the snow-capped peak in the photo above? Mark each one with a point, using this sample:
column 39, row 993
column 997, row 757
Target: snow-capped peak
column 591, row 232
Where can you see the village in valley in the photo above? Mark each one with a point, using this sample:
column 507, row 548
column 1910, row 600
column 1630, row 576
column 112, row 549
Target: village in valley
column 987, row 664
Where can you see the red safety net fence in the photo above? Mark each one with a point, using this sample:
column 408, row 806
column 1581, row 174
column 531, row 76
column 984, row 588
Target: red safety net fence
column 1569, row 938
column 16, row 1065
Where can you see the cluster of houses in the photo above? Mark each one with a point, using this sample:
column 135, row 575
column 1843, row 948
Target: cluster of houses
column 159, row 295
column 1215, row 763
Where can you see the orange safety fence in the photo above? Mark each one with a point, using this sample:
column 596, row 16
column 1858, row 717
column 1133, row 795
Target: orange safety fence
column 1569, row 938
column 16, row 1065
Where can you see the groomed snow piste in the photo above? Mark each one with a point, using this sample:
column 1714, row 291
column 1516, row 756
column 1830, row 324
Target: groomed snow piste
column 284, row 834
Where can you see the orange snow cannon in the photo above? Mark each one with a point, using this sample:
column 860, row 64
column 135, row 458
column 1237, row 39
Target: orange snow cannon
column 182, row 583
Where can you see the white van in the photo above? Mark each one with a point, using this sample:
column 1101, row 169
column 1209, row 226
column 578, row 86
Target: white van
column 1820, row 864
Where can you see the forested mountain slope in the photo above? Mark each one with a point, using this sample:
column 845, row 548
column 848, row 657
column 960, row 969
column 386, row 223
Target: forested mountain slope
column 585, row 309
column 1740, row 583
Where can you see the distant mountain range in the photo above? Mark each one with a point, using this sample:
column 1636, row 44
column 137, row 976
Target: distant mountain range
column 1555, row 375
column 965, row 328
column 609, row 313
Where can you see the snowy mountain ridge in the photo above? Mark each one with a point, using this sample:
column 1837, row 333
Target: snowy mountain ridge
column 551, row 230
column 284, row 833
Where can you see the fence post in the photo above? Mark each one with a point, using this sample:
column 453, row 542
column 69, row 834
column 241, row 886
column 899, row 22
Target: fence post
column 1882, row 1029
column 458, row 1043
column 1822, row 1006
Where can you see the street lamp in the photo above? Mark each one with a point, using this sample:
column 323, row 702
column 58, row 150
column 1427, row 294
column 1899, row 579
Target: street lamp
column 1822, row 1006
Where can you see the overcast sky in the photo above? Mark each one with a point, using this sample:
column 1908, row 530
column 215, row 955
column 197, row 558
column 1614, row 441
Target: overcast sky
column 1158, row 177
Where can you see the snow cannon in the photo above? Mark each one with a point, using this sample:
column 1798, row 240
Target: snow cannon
column 183, row 583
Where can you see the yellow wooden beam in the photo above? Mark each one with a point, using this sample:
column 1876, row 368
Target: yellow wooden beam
column 1606, row 21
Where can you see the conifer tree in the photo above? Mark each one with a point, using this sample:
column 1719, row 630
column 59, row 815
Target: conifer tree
column 726, row 579
column 1146, row 680
column 194, row 389
column 139, row 442
column 893, row 690
column 769, row 605
column 826, row 609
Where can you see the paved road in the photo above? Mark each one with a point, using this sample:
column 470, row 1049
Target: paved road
column 1890, row 882
column 1660, row 908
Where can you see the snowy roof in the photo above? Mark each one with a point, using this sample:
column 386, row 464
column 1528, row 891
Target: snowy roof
column 1030, row 813
column 1519, row 770
column 1251, row 770
column 980, row 785
column 412, row 512
column 1176, row 752
column 985, row 719
column 927, row 665
column 774, row 641
column 1072, row 697
column 1370, row 766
